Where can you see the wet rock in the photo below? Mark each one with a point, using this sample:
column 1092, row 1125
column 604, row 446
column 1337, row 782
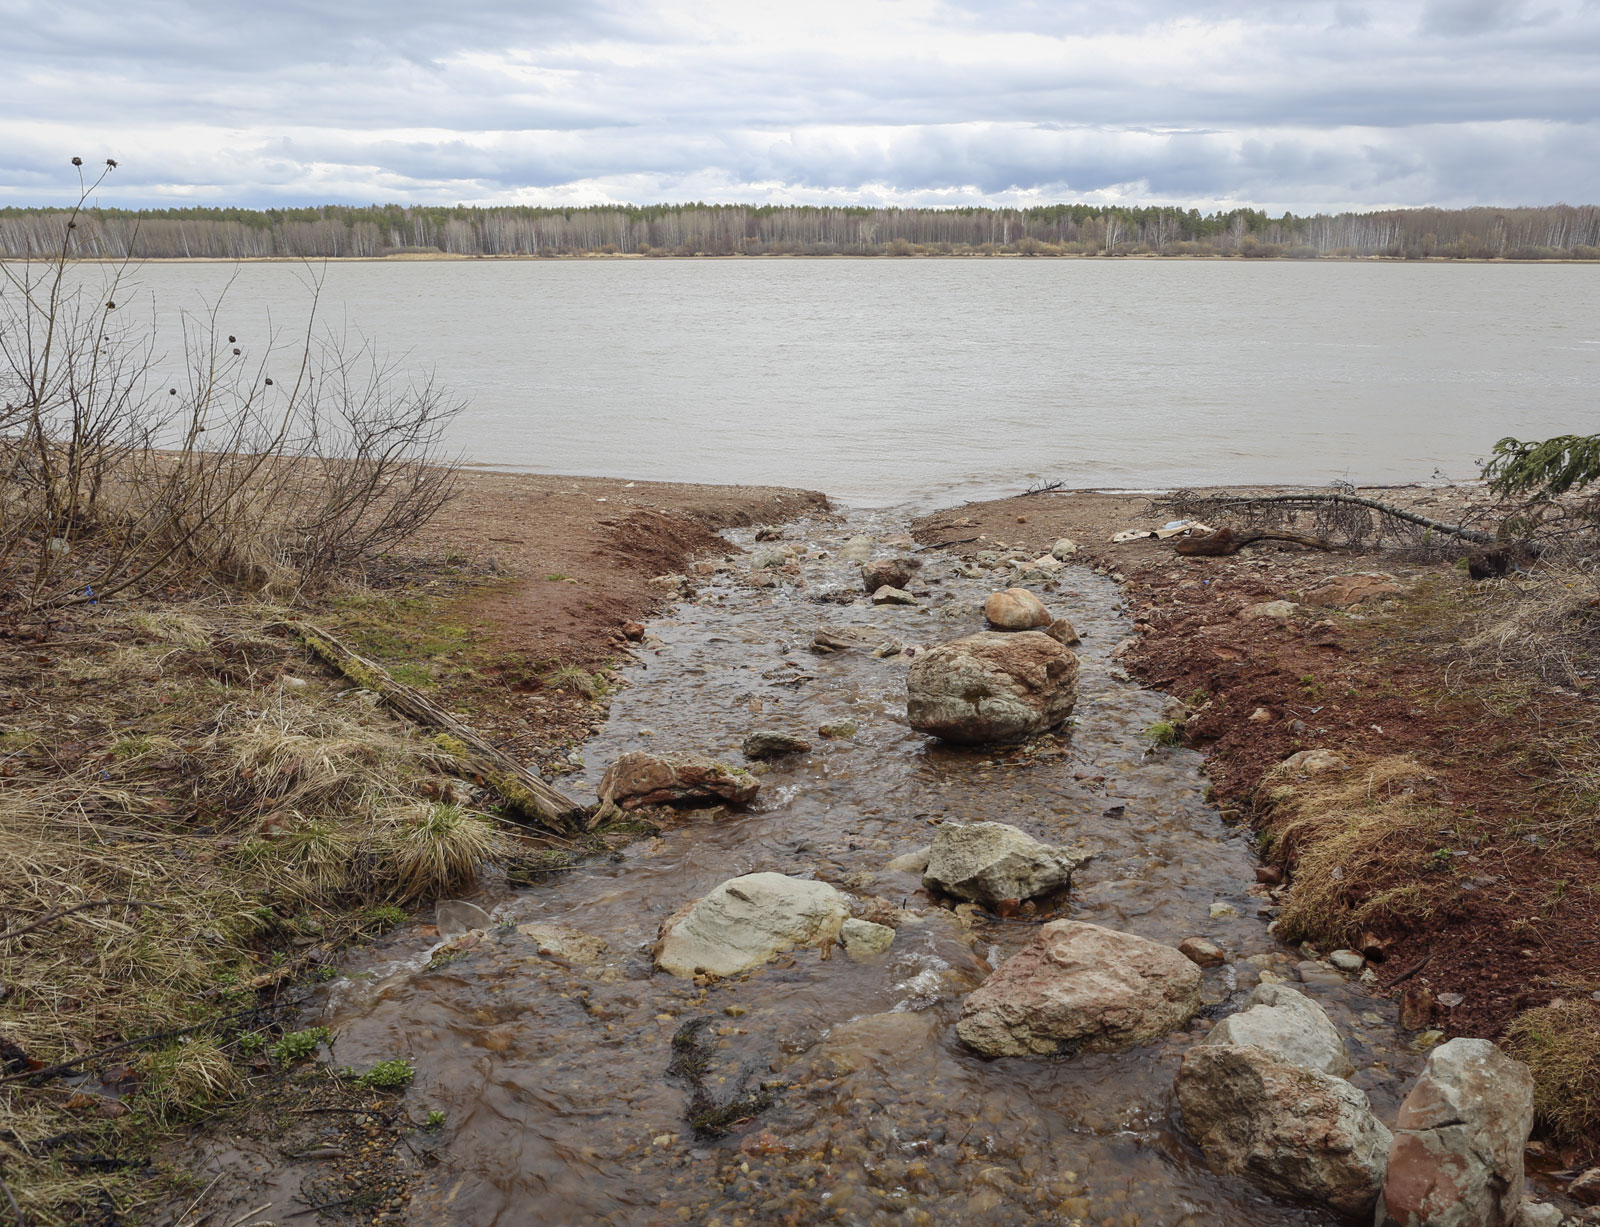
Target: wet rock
column 1586, row 1188
column 565, row 942
column 745, row 921
column 1292, row 1132
column 1456, row 1160
column 638, row 779
column 771, row 556
column 1063, row 633
column 1274, row 611
column 990, row 861
column 838, row 728
column 1015, row 609
column 857, row 549
column 453, row 917
column 1223, row 911
column 1064, row 549
column 1416, row 1007
column 1202, row 952
column 633, row 632
column 889, row 573
column 910, row 862
column 769, row 743
column 992, row 687
column 831, row 639
column 1291, row 1027
column 893, row 596
column 1341, row 590
column 863, row 939
column 1308, row 763
column 1314, row 971
column 1079, row 986
column 671, row 585
column 876, row 1040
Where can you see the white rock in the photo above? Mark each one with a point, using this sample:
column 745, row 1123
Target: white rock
column 864, row 940
column 747, row 920
column 990, row 861
column 1289, row 1025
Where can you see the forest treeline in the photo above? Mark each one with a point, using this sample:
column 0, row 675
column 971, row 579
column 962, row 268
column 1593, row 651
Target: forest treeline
column 1543, row 233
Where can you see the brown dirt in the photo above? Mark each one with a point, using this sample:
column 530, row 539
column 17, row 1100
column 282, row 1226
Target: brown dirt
column 1381, row 678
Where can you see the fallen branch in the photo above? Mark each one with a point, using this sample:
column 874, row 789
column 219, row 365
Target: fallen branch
column 1225, row 541
column 1355, row 500
column 518, row 787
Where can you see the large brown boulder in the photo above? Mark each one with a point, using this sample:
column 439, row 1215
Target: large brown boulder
column 638, row 779
column 1456, row 1160
column 1080, row 987
column 889, row 573
column 1015, row 609
column 992, row 687
column 1290, row 1131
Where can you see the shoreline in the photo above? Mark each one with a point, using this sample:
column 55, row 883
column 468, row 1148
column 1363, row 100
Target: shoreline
column 452, row 257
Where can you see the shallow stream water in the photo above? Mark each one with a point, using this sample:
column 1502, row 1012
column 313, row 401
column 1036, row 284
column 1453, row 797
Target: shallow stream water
column 554, row 1078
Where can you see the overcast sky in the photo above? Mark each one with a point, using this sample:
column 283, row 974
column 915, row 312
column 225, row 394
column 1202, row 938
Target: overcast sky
column 1295, row 104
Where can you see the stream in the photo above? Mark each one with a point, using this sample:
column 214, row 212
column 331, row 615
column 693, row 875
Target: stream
column 554, row 1078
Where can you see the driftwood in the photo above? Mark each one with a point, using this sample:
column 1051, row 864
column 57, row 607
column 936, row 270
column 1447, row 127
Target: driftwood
column 1460, row 531
column 1226, row 541
column 518, row 787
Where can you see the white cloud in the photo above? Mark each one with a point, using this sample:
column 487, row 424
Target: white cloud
column 1316, row 105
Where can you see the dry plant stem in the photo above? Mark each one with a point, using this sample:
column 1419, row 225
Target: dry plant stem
column 16, row 1210
column 522, row 790
column 68, row 911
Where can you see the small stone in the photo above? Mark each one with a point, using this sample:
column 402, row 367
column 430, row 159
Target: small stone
column 1346, row 960
column 1064, row 549
column 1269, row 875
column 893, row 596
column 863, row 939
column 769, row 743
column 1015, row 609
column 1260, row 716
column 1202, row 952
column 1430, row 1037
column 838, row 728
column 662, row 1139
column 1450, row 1000
column 910, row 862
column 1275, row 611
column 1063, row 633
column 1223, row 911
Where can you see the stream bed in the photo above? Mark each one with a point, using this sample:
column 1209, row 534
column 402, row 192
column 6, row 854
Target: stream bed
column 553, row 1075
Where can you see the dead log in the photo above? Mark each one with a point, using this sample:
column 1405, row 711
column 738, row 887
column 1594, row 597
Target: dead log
column 1225, row 541
column 519, row 788
column 1314, row 499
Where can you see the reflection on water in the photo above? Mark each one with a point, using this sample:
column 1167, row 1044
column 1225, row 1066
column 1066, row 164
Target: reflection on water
column 554, row 1074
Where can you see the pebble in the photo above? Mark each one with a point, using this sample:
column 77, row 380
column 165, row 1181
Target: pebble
column 1223, row 911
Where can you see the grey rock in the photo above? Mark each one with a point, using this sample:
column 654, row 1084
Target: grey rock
column 994, row 686
column 1289, row 1025
column 893, row 596
column 770, row 743
column 747, row 920
column 910, row 862
column 990, row 861
column 864, row 939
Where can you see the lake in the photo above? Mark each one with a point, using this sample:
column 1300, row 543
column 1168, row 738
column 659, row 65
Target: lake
column 927, row 381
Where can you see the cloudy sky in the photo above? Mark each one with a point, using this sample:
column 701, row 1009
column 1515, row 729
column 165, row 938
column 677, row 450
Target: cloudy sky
column 1293, row 104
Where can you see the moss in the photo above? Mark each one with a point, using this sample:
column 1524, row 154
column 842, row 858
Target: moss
column 1162, row 733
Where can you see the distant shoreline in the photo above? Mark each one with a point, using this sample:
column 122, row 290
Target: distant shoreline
column 454, row 258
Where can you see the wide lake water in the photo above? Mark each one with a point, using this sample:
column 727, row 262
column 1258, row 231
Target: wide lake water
column 926, row 381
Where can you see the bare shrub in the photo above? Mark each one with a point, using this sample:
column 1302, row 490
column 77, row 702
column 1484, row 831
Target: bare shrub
column 112, row 479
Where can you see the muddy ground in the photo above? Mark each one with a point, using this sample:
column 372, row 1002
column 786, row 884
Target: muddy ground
column 1517, row 919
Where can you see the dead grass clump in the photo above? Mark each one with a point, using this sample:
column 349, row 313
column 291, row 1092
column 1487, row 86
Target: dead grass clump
column 431, row 849
column 1561, row 1044
column 187, row 1078
column 577, row 681
column 1547, row 625
column 1370, row 847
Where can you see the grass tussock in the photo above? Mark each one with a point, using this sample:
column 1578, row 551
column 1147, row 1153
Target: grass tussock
column 222, row 806
column 1561, row 1044
column 1371, row 848
column 1547, row 625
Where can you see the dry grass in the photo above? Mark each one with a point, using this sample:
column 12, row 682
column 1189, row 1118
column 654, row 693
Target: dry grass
column 215, row 815
column 1546, row 625
column 1561, row 1044
column 1371, row 848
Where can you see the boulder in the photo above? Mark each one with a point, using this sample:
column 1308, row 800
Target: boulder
column 864, row 939
column 834, row 639
column 769, row 743
column 638, row 779
column 1341, row 590
column 1079, row 986
column 893, row 596
column 1064, row 549
column 889, row 572
column 1290, row 1026
column 1015, row 609
column 1456, row 1160
column 745, row 921
column 1305, row 763
column 990, row 861
column 992, row 687
column 1063, row 633
column 1293, row 1132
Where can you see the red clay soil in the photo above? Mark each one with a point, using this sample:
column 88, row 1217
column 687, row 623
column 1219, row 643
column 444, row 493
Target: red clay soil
column 1375, row 685
column 573, row 557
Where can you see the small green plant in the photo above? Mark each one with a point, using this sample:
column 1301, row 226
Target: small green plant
column 555, row 577
column 435, row 1121
column 297, row 1045
column 1162, row 733
column 251, row 1042
column 389, row 1075
column 1199, row 698
column 385, row 916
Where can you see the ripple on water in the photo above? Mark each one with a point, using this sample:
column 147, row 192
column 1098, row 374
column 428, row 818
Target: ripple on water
column 553, row 1077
